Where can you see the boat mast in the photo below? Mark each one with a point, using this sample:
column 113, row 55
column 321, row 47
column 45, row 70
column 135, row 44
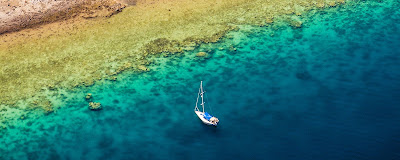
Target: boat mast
column 197, row 101
column 202, row 93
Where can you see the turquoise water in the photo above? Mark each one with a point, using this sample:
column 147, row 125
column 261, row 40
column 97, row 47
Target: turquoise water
column 328, row 90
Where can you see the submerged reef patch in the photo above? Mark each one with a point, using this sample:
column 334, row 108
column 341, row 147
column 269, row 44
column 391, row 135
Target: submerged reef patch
column 95, row 106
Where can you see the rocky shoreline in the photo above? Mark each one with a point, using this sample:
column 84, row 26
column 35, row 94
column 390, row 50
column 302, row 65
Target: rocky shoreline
column 20, row 14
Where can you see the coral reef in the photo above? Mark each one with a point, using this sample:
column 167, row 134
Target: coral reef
column 88, row 97
column 76, row 51
column 201, row 54
column 143, row 68
column 269, row 20
column 95, row 106
column 296, row 24
column 42, row 103
column 232, row 49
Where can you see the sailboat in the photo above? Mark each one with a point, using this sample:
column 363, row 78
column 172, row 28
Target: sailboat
column 205, row 117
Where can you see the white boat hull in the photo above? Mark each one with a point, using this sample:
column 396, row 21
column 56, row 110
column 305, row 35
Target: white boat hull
column 201, row 116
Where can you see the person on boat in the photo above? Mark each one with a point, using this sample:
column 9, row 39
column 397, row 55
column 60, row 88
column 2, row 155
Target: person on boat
column 214, row 120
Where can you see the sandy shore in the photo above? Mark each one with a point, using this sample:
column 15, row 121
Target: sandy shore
column 20, row 14
column 80, row 50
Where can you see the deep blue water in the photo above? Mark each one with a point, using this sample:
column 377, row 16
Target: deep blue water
column 327, row 90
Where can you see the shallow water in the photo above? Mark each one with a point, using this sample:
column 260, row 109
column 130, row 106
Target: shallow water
column 328, row 90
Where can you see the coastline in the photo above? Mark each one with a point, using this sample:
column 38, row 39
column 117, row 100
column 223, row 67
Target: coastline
column 16, row 15
column 78, row 51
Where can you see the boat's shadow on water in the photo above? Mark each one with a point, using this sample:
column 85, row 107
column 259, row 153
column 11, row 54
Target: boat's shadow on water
column 209, row 129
